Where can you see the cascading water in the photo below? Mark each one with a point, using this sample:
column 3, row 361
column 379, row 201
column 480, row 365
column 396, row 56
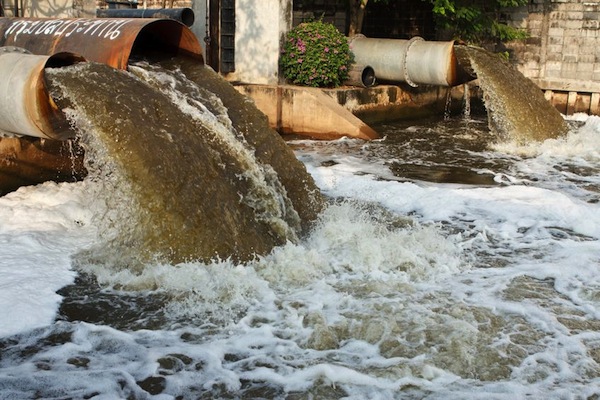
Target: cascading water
column 517, row 109
column 181, row 181
column 444, row 269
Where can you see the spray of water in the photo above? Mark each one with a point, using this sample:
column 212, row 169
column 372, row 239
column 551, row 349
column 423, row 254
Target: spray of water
column 180, row 181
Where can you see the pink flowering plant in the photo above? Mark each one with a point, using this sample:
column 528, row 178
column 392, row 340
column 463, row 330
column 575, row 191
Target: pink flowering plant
column 315, row 54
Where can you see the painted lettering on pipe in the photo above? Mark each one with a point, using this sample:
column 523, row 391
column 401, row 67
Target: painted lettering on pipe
column 106, row 40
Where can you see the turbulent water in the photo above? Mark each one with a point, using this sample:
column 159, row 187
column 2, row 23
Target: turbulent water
column 444, row 267
column 177, row 169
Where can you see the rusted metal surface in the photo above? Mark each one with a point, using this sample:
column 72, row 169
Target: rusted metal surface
column 413, row 61
column 56, row 42
column 26, row 108
column 183, row 15
column 110, row 41
column 29, row 161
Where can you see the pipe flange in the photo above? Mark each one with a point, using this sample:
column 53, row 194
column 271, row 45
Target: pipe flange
column 404, row 67
column 13, row 49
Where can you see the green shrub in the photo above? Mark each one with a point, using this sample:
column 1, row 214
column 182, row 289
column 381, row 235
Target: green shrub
column 315, row 54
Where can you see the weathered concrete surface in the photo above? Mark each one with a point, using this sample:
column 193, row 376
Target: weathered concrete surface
column 561, row 53
column 386, row 103
column 51, row 9
column 306, row 111
column 333, row 113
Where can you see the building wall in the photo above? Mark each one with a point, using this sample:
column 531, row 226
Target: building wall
column 55, row 8
column 563, row 50
column 260, row 27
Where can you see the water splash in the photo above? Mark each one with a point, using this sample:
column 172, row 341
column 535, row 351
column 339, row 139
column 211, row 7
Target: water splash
column 181, row 182
column 517, row 109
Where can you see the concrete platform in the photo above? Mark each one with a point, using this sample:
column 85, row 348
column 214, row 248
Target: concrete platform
column 347, row 111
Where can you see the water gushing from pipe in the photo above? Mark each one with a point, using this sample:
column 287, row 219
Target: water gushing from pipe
column 181, row 181
column 517, row 109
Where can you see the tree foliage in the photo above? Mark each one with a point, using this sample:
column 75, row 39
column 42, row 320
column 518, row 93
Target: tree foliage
column 475, row 21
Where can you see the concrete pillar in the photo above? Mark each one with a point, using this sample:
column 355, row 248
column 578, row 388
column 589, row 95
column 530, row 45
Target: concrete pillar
column 595, row 104
column 260, row 28
column 200, row 23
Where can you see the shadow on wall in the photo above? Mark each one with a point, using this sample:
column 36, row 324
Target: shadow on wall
column 260, row 60
column 49, row 8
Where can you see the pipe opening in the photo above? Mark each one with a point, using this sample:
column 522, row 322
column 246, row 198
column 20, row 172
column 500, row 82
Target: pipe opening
column 361, row 75
column 110, row 41
column 164, row 39
column 368, row 77
column 63, row 59
column 27, row 108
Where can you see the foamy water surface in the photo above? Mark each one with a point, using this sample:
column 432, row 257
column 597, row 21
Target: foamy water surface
column 406, row 288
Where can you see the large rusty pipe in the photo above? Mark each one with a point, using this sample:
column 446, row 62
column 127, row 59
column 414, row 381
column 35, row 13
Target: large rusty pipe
column 108, row 41
column 184, row 15
column 413, row 61
column 26, row 108
column 111, row 41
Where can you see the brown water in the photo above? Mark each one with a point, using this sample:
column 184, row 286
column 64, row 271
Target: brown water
column 411, row 285
column 181, row 180
column 517, row 109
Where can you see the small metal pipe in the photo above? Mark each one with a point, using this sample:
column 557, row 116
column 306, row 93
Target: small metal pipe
column 413, row 61
column 361, row 75
column 183, row 15
column 26, row 108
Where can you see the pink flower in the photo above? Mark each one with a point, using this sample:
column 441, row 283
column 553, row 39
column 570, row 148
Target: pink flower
column 301, row 46
column 326, row 49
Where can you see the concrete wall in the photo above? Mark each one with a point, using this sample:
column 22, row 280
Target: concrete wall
column 562, row 54
column 199, row 26
column 260, row 27
column 54, row 8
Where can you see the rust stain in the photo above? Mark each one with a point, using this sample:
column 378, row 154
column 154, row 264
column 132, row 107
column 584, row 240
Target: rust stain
column 109, row 41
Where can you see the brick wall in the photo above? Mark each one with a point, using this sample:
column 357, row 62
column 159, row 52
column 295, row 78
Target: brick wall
column 562, row 53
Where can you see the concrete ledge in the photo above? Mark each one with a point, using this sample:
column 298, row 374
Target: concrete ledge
column 568, row 85
column 333, row 113
column 385, row 103
column 572, row 102
column 306, row 111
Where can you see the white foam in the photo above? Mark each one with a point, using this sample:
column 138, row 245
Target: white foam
column 401, row 289
column 41, row 227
